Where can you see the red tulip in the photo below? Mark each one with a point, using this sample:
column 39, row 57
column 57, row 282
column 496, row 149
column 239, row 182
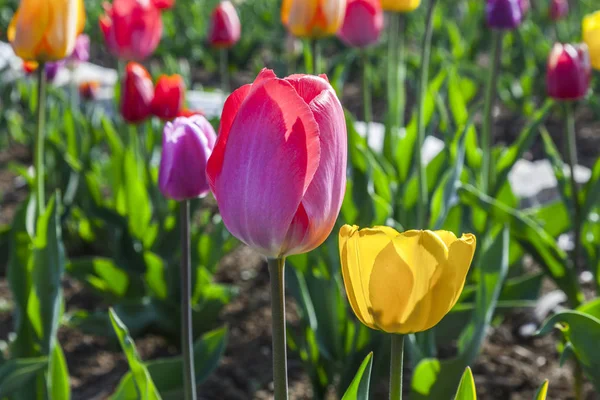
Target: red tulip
column 363, row 23
column 169, row 96
column 558, row 9
column 569, row 72
column 137, row 92
column 163, row 4
column 225, row 28
column 278, row 169
column 131, row 28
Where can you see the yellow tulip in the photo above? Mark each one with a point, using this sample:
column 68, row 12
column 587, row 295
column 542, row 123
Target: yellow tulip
column 45, row 30
column 403, row 282
column 591, row 36
column 400, row 5
column 313, row 18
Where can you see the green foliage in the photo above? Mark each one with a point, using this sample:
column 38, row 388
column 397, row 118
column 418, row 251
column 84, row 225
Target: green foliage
column 466, row 388
column 359, row 388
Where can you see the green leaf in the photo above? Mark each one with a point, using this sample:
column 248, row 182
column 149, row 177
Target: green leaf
column 359, row 388
column 466, row 388
column 137, row 200
column 591, row 308
column 558, row 166
column 542, row 391
column 582, row 331
column 18, row 373
column 155, row 275
column 57, row 379
column 145, row 388
column 167, row 373
column 102, row 274
column 591, row 191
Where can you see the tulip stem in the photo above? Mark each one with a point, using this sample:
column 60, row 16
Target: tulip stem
column 396, row 367
column 422, row 94
column 39, row 141
column 368, row 109
column 224, row 65
column 572, row 154
column 316, row 56
column 187, row 337
column 488, row 118
column 396, row 93
column 276, row 271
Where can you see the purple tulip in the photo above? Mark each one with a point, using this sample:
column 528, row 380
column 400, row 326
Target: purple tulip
column 52, row 68
column 81, row 51
column 187, row 145
column 504, row 14
column 558, row 9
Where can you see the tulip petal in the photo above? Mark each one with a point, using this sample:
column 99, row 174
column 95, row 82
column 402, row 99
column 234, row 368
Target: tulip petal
column 392, row 280
column 62, row 28
column 267, row 168
column 28, row 26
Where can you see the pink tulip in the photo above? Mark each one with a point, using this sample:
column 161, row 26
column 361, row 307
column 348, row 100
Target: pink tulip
column 163, row 4
column 558, row 9
column 569, row 72
column 187, row 144
column 131, row 28
column 363, row 23
column 278, row 170
column 225, row 27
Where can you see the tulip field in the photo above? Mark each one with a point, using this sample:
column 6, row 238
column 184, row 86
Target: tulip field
column 299, row 199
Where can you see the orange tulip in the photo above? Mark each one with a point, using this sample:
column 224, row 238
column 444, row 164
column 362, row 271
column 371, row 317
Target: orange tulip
column 313, row 18
column 46, row 30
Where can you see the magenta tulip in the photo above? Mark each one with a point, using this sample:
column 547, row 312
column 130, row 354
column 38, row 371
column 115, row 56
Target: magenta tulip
column 558, row 9
column 363, row 23
column 569, row 72
column 278, row 170
column 187, row 145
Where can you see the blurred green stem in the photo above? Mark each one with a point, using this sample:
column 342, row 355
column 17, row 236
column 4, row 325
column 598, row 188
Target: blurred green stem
column 187, row 337
column 316, row 56
column 276, row 271
column 39, row 141
column 578, row 381
column 488, row 117
column 396, row 93
column 396, row 367
column 224, row 66
column 422, row 94
column 367, row 101
column 572, row 154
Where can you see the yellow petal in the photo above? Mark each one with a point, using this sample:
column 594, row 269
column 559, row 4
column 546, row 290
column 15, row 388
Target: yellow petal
column 390, row 286
column 334, row 12
column 298, row 14
column 27, row 28
column 63, row 29
column 591, row 36
column 400, row 5
column 81, row 17
column 447, row 237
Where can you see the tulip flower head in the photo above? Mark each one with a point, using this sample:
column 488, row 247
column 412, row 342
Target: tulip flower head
column 313, row 19
column 81, row 51
column 137, row 93
column 131, row 28
column 163, row 4
column 89, row 90
column 504, row 14
column 187, row 145
column 225, row 27
column 400, row 5
column 169, row 97
column 569, row 72
column 363, row 23
column 559, row 9
column 403, row 282
column 591, row 36
column 278, row 170
column 46, row 31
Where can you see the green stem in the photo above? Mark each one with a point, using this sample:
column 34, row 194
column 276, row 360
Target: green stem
column 308, row 56
column 572, row 154
column 396, row 367
column 396, row 81
column 187, row 337
column 422, row 94
column 578, row 381
column 488, row 119
column 368, row 109
column 224, row 66
column 39, row 141
column 276, row 270
column 316, row 55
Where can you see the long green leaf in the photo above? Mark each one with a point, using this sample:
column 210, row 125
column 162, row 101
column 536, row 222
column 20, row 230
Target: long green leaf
column 466, row 388
column 542, row 391
column 17, row 373
column 359, row 388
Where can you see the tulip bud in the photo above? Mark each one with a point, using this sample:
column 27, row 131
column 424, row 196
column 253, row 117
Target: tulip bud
column 278, row 170
column 558, row 9
column 403, row 282
column 363, row 23
column 400, row 5
column 313, row 19
column 131, row 28
column 591, row 36
column 169, row 96
column 225, row 27
column 137, row 92
column 504, row 14
column 46, row 32
column 569, row 72
column 187, row 145
column 81, row 51
column 51, row 69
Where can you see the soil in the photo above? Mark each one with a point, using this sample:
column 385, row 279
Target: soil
column 510, row 367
